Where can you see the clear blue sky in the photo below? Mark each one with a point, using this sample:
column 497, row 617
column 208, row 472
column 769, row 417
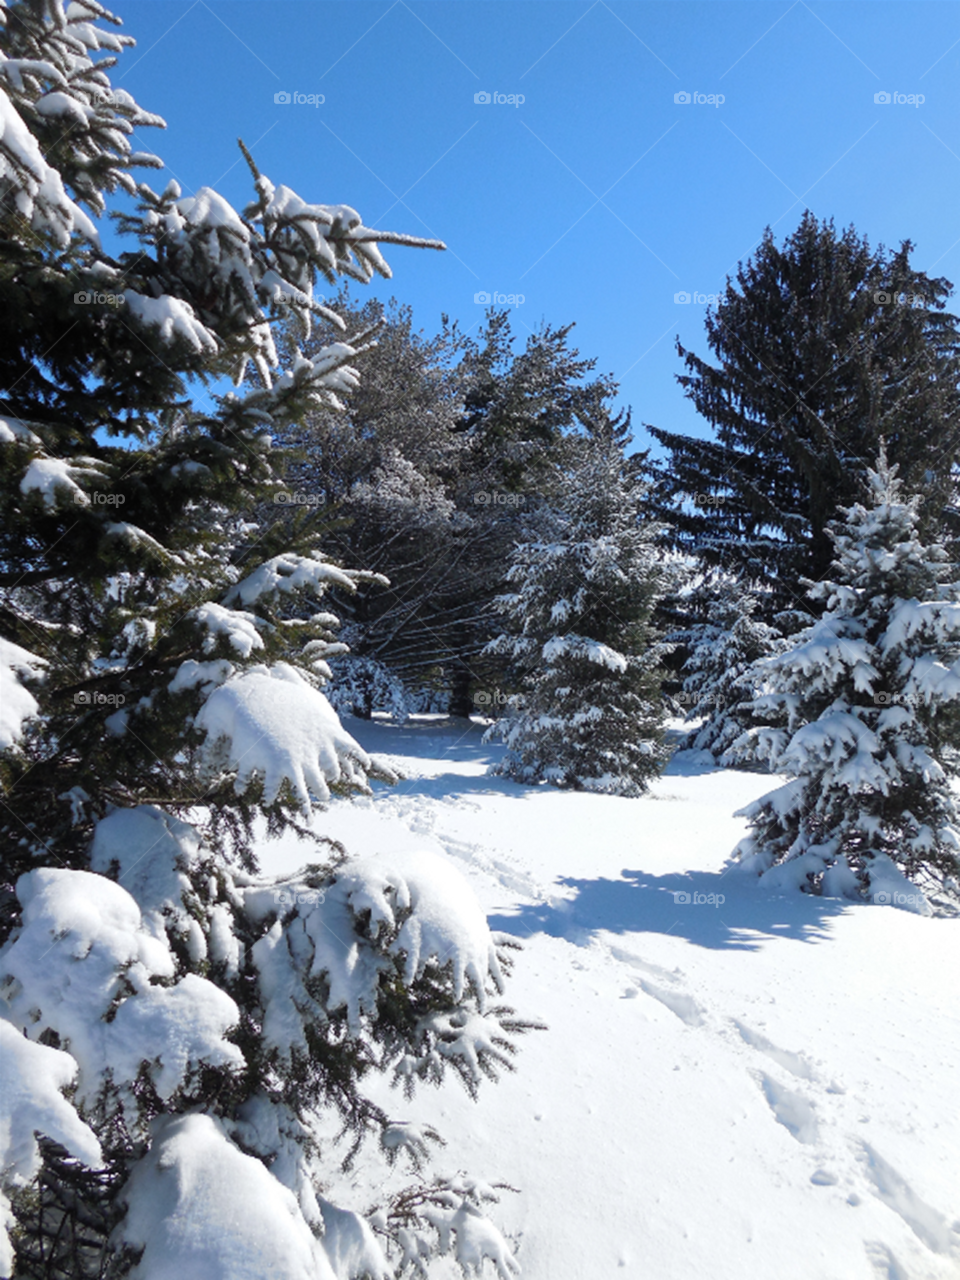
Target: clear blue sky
column 599, row 197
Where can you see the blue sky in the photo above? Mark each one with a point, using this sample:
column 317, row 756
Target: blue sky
column 599, row 197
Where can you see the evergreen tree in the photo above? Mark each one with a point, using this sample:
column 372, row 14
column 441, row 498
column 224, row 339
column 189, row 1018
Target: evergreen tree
column 864, row 713
column 162, row 659
column 580, row 637
column 447, row 444
column 719, row 675
column 823, row 346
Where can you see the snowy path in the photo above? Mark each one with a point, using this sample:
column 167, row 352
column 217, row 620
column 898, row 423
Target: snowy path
column 765, row 1087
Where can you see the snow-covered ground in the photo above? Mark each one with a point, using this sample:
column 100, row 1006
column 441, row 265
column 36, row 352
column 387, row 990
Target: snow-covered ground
column 761, row 1087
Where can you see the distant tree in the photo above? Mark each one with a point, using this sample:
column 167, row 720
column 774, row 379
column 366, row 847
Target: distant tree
column 720, row 672
column 823, row 347
column 447, row 446
column 579, row 633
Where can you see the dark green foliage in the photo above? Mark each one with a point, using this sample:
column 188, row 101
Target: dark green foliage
column 823, row 346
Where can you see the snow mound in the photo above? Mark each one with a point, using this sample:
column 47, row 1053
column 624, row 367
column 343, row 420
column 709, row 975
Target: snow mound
column 203, row 1210
column 271, row 724
column 31, row 1103
column 83, row 954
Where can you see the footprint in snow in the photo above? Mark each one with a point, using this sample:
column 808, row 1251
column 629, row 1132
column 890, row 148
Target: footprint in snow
column 896, row 1193
column 790, row 1109
column 795, row 1063
column 685, row 1007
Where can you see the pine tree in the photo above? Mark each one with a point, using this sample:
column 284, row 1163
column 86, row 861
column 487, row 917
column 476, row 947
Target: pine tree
column 719, row 674
column 823, row 346
column 580, row 638
column 863, row 716
column 174, row 1025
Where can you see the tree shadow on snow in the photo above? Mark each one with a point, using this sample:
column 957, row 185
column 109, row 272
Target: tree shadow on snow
column 643, row 903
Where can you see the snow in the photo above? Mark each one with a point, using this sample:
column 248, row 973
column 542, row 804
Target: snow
column 443, row 920
column 32, row 1103
column 17, row 704
column 271, row 724
column 36, row 188
column 149, row 851
column 582, row 647
column 239, row 628
column 13, row 431
column 50, row 476
column 287, row 574
column 173, row 318
column 203, row 1210
column 715, row 1080
column 83, row 950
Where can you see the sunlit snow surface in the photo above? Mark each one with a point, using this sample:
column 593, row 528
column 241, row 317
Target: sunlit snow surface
column 764, row 1087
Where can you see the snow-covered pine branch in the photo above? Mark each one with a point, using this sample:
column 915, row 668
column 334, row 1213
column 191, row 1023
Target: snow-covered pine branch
column 178, row 1024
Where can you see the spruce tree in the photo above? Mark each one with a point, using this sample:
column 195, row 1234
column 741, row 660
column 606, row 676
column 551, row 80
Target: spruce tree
column 863, row 718
column 719, row 674
column 178, row 1029
column 823, row 346
column 580, row 642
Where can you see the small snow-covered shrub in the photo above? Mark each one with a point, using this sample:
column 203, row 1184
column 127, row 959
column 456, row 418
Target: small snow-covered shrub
column 361, row 685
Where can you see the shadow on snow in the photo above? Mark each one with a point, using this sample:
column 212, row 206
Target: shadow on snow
column 638, row 902
column 643, row 903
